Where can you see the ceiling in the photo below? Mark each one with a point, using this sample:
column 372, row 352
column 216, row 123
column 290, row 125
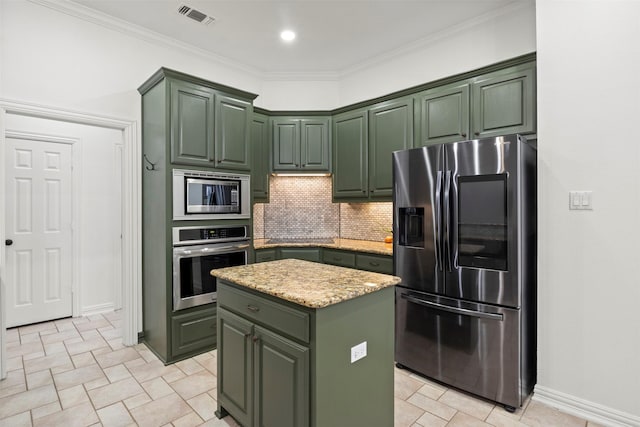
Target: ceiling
column 332, row 36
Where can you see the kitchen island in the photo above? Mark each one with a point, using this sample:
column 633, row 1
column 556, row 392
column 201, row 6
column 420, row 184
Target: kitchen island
column 305, row 344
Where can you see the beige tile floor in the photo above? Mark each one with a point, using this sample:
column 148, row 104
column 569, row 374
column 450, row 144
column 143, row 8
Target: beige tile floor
column 76, row 372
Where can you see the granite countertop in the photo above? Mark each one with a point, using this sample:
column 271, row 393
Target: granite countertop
column 380, row 248
column 306, row 283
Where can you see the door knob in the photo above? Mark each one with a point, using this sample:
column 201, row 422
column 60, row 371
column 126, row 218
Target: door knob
column 8, row 242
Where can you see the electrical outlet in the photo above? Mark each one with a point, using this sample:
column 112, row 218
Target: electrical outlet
column 358, row 351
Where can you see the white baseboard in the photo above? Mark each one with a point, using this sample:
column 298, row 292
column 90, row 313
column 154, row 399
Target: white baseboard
column 585, row 409
column 96, row 309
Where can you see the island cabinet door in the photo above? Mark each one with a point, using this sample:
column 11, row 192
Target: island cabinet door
column 235, row 377
column 281, row 369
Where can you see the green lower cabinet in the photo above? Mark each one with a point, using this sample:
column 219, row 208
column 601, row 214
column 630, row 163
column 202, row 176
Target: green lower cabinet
column 235, row 366
column 193, row 332
column 283, row 365
column 281, row 374
column 264, row 255
column 377, row 263
column 263, row 377
column 307, row 254
column 340, row 258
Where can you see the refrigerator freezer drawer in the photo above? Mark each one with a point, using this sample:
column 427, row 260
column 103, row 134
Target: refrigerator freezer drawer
column 473, row 347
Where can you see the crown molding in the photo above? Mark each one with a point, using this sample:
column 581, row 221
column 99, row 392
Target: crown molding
column 99, row 18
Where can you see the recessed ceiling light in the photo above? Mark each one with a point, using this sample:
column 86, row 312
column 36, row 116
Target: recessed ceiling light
column 287, row 35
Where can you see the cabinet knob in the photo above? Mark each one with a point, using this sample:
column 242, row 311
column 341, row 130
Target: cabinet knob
column 255, row 339
column 8, row 242
column 253, row 308
column 477, row 133
column 463, row 134
column 374, row 264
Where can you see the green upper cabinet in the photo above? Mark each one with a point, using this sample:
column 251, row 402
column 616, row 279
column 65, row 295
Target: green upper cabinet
column 261, row 148
column 444, row 114
column 504, row 102
column 208, row 124
column 350, row 140
column 390, row 129
column 314, row 144
column 492, row 104
column 192, row 124
column 301, row 144
column 233, row 118
column 286, row 144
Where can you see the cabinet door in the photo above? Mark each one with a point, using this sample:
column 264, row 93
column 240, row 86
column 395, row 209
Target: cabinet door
column 350, row 155
column 503, row 103
column 235, row 366
column 232, row 133
column 314, row 144
column 264, row 255
column 260, row 164
column 390, row 129
column 195, row 331
column 286, row 144
column 192, row 115
column 444, row 114
column 282, row 381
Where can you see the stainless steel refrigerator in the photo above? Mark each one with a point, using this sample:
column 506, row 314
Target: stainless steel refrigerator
column 465, row 248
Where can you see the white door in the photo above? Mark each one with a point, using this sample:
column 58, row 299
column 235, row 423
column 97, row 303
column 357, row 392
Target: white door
column 38, row 231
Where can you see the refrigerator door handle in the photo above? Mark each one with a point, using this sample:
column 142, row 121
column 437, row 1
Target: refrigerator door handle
column 447, row 218
column 438, row 203
column 455, row 310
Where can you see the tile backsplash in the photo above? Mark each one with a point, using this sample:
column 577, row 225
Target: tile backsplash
column 301, row 207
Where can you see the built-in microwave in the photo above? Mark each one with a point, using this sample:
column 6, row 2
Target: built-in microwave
column 210, row 195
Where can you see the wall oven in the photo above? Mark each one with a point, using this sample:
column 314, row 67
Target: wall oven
column 210, row 195
column 197, row 251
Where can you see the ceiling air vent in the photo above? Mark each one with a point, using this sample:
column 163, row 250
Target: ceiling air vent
column 194, row 14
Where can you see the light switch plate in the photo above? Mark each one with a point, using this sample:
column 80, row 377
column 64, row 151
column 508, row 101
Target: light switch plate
column 358, row 351
column 580, row 200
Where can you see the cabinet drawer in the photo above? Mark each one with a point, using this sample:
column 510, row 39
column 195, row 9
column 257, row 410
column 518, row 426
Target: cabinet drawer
column 377, row 263
column 278, row 317
column 193, row 331
column 344, row 259
column 306, row 254
column 264, row 255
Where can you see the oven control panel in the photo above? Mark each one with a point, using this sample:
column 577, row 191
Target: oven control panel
column 195, row 235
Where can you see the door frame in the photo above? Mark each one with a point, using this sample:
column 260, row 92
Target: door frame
column 76, row 155
column 131, row 210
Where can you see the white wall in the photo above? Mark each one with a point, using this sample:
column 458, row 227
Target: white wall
column 489, row 39
column 52, row 58
column 589, row 286
column 98, row 199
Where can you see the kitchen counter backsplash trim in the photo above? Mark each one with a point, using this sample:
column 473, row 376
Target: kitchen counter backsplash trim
column 306, row 283
column 367, row 246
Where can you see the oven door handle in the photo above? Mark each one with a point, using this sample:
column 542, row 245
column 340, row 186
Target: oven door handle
column 186, row 251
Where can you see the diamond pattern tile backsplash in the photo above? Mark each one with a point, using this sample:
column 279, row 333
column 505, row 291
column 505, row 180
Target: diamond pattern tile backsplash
column 301, row 207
